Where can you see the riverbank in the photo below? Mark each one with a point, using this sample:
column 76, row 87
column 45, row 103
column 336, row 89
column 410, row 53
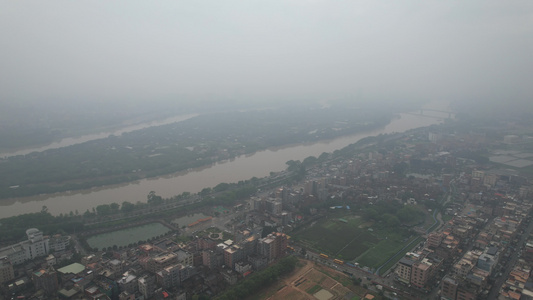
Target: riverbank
column 244, row 167
column 167, row 149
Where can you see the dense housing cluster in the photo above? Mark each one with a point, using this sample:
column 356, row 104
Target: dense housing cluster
column 431, row 213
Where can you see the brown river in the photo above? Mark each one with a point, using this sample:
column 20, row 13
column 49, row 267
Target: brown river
column 258, row 164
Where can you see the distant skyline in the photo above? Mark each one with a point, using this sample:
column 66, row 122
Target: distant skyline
column 146, row 51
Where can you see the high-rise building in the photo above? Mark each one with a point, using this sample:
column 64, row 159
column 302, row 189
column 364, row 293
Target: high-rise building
column 147, row 286
column 434, row 239
column 420, row 273
column 212, row 259
column 266, row 247
column 273, row 246
column 46, row 280
column 403, row 270
column 185, row 258
column 35, row 246
column 59, row 242
column 157, row 263
column 232, row 255
column 449, row 288
column 249, row 245
column 171, row 276
column 274, row 206
column 6, row 270
column 128, row 283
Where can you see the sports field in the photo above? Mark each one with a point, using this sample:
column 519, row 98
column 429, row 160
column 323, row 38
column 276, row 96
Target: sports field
column 351, row 239
column 344, row 240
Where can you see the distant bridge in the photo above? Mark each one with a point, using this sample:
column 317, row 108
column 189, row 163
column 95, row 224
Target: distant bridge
column 450, row 113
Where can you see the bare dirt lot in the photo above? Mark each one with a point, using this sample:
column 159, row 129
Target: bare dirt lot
column 313, row 281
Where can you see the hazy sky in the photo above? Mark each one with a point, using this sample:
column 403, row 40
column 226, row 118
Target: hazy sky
column 86, row 50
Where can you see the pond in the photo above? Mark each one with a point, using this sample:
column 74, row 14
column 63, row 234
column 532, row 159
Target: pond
column 127, row 236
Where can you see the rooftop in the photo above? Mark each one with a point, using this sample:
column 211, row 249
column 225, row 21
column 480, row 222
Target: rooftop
column 74, row 268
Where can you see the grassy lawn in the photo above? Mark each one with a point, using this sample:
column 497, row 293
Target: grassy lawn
column 380, row 253
column 429, row 221
column 349, row 242
column 399, row 256
column 446, row 218
column 391, row 241
column 338, row 239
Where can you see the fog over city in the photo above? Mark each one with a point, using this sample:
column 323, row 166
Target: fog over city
column 100, row 51
column 295, row 149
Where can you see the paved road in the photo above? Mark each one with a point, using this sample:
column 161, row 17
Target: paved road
column 77, row 246
column 495, row 291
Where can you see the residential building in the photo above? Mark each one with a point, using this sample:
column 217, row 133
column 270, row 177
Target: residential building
column 212, row 259
column 128, row 283
column 46, row 280
column 185, row 258
column 59, row 242
column 403, row 270
column 147, row 286
column 157, row 263
column 233, row 255
column 35, row 246
column 6, row 270
column 420, row 273
column 449, row 288
column 170, row 276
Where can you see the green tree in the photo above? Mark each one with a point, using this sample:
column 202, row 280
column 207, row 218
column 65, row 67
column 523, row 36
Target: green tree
column 410, row 214
column 293, row 165
column 103, row 209
column 391, row 220
column 309, row 161
column 221, row 187
column 205, row 191
column 323, row 157
column 127, row 206
column 114, row 206
column 371, row 213
column 154, row 199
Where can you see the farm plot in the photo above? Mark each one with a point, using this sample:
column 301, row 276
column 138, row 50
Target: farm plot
column 313, row 281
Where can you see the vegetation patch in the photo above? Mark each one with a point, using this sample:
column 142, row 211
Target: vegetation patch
column 314, row 289
column 343, row 240
column 399, row 255
column 391, row 241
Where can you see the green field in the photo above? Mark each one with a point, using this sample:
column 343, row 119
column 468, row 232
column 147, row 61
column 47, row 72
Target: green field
column 338, row 239
column 391, row 241
column 352, row 241
column 399, row 255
